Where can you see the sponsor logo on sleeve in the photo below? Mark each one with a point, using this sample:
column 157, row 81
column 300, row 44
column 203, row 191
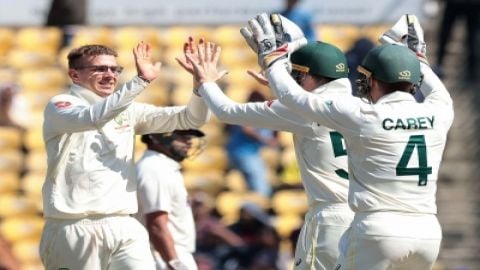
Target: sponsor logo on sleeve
column 62, row 104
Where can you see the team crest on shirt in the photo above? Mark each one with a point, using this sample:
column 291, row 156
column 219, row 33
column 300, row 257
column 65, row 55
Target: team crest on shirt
column 329, row 103
column 298, row 261
column 269, row 103
column 121, row 121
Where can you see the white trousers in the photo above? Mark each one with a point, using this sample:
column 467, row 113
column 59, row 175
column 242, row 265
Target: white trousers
column 317, row 245
column 381, row 241
column 95, row 243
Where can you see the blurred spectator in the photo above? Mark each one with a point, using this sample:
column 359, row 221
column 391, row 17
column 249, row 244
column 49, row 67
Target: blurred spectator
column 7, row 259
column 267, row 255
column 7, row 97
column 453, row 10
column 9, row 106
column 355, row 56
column 68, row 15
column 301, row 17
column 293, row 237
column 204, row 262
column 215, row 242
column 11, row 112
column 243, row 148
column 261, row 239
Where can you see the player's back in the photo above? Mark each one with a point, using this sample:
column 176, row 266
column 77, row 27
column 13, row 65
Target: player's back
column 395, row 156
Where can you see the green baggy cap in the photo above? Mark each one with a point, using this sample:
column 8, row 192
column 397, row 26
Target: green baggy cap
column 320, row 58
column 391, row 64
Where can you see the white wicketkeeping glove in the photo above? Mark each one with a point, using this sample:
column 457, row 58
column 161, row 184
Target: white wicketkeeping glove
column 176, row 264
column 273, row 38
column 288, row 32
column 407, row 32
column 261, row 38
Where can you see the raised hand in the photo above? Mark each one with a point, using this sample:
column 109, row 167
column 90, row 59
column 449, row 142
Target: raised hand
column 146, row 69
column 273, row 38
column 189, row 47
column 205, row 62
column 407, row 32
column 260, row 36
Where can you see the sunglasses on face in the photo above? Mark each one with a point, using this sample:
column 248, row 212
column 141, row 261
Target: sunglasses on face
column 298, row 76
column 103, row 69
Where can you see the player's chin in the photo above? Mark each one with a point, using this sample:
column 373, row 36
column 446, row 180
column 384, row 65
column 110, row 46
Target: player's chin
column 105, row 89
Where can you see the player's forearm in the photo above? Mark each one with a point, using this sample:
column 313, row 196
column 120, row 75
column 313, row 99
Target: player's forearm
column 163, row 242
column 252, row 114
column 223, row 107
column 228, row 111
column 116, row 103
column 197, row 112
column 68, row 113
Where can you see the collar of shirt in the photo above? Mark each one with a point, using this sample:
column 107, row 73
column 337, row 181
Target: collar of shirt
column 342, row 85
column 173, row 163
column 396, row 96
column 85, row 94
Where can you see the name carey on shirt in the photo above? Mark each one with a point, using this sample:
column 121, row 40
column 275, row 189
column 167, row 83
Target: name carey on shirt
column 422, row 122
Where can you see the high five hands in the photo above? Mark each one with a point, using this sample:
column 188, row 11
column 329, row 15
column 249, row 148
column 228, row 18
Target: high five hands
column 201, row 61
column 146, row 68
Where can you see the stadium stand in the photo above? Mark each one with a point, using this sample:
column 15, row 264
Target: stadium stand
column 38, row 67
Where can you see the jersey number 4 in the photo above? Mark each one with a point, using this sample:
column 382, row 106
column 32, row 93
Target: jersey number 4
column 339, row 149
column 415, row 141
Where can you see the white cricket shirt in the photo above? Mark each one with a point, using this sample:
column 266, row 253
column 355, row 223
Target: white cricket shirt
column 320, row 151
column 96, row 176
column 161, row 188
column 394, row 146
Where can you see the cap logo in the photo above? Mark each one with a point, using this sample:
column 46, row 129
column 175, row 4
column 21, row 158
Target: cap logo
column 404, row 75
column 340, row 67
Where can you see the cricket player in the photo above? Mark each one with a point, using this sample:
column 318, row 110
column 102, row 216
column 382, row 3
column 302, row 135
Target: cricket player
column 163, row 202
column 394, row 143
column 90, row 187
column 321, row 69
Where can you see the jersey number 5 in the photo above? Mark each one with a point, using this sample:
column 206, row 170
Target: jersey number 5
column 423, row 170
column 339, row 150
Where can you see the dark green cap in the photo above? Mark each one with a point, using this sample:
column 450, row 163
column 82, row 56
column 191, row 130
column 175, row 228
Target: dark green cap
column 391, row 64
column 320, row 58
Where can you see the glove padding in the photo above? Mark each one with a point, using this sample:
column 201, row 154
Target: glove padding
column 260, row 36
column 288, row 32
column 273, row 38
column 407, row 32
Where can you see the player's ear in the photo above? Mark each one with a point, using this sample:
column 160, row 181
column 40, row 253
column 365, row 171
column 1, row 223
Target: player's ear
column 73, row 74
